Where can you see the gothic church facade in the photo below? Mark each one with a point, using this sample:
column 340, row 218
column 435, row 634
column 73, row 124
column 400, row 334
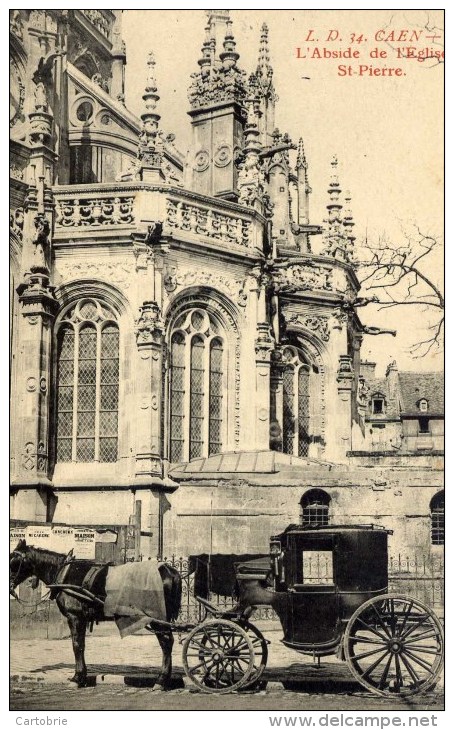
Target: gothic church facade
column 182, row 336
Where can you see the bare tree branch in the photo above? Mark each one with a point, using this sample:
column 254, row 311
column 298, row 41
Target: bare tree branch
column 400, row 274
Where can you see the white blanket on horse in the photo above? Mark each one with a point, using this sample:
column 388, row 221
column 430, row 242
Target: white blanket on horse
column 134, row 595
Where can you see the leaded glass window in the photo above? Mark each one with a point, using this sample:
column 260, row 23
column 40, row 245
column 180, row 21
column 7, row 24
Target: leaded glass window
column 177, row 397
column 197, row 372
column 197, row 397
column 295, row 403
column 87, row 384
column 215, row 429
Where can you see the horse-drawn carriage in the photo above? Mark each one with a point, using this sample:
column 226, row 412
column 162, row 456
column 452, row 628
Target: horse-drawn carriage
column 328, row 586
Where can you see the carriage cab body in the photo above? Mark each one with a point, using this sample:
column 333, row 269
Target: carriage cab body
column 321, row 576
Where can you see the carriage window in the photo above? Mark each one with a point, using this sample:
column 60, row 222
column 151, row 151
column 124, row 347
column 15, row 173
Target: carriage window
column 317, row 567
column 87, row 384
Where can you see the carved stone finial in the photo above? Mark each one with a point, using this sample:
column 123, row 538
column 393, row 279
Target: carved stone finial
column 263, row 76
column 229, row 57
column 219, row 79
column 150, row 117
column 301, row 157
column 151, row 144
column 348, row 226
column 264, row 51
column 335, row 241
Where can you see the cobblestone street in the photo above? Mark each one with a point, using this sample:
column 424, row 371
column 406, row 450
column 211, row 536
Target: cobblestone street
column 124, row 671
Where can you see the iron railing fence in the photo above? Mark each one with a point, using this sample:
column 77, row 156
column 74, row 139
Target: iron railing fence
column 419, row 576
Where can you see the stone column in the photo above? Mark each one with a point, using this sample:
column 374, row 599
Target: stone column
column 345, row 377
column 117, row 90
column 150, row 470
column 149, row 332
column 264, row 346
column 276, row 401
column 31, row 431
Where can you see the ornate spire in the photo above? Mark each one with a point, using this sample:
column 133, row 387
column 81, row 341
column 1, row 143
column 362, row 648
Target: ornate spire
column 304, row 189
column 150, row 144
column 264, row 71
column 301, row 156
column 150, row 118
column 348, row 226
column 263, row 67
column 261, row 86
column 229, row 57
column 334, row 236
column 205, row 59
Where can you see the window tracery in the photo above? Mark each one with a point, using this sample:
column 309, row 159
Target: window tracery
column 87, row 375
column 197, row 372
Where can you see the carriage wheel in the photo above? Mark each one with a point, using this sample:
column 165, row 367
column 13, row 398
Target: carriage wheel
column 260, row 647
column 394, row 646
column 218, row 656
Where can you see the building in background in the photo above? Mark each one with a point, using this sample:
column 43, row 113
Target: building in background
column 185, row 343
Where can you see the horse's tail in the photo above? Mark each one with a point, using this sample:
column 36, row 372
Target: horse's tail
column 175, row 595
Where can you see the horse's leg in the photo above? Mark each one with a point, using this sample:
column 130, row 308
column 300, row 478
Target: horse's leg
column 165, row 639
column 78, row 627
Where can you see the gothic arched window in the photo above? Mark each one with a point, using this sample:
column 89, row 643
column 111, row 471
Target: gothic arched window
column 437, row 516
column 315, row 508
column 295, row 422
column 87, row 384
column 197, row 367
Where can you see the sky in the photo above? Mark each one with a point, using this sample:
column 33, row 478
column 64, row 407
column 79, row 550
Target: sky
column 387, row 131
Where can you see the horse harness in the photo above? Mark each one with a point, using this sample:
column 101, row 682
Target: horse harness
column 83, row 577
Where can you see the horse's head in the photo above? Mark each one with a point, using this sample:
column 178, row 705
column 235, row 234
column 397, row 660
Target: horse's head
column 21, row 566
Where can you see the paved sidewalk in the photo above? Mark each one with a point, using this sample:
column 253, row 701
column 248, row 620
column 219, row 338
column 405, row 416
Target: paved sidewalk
column 111, row 658
column 137, row 658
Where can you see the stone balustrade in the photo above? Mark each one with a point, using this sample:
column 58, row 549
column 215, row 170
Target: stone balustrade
column 185, row 217
column 74, row 212
column 99, row 21
column 205, row 221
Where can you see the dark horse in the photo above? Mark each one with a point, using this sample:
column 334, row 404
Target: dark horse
column 27, row 561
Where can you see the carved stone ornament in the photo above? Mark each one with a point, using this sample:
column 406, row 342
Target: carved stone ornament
column 219, row 84
column 15, row 172
column 223, row 155
column 345, row 369
column 363, row 392
column 17, row 94
column 303, row 277
column 149, row 325
column 117, row 272
column 15, row 24
column 315, row 323
column 41, row 243
column 214, row 225
column 201, row 161
column 194, row 277
column 16, row 222
column 341, row 317
column 75, row 212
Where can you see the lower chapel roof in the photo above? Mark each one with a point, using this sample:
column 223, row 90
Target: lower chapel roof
column 245, row 462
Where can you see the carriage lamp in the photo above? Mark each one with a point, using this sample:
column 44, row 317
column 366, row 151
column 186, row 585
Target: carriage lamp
column 275, row 548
